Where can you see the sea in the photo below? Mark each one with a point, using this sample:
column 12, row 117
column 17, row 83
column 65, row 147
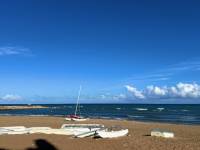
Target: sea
column 162, row 113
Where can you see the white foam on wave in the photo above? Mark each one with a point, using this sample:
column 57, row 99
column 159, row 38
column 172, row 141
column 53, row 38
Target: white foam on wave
column 185, row 110
column 160, row 108
column 55, row 107
column 134, row 116
column 37, row 115
column 6, row 114
column 105, row 117
column 141, row 109
column 118, row 108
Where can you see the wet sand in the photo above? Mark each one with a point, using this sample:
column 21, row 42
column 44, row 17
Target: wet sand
column 187, row 137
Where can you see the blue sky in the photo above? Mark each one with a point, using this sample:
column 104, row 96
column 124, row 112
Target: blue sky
column 114, row 49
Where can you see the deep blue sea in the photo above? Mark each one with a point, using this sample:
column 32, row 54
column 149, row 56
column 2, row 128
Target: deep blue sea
column 170, row 113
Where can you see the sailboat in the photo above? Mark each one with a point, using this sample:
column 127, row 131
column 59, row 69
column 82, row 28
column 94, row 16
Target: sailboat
column 76, row 117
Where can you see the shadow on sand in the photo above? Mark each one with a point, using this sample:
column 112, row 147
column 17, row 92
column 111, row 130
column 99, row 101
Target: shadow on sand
column 147, row 135
column 40, row 144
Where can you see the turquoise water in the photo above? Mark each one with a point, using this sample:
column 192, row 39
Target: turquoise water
column 170, row 113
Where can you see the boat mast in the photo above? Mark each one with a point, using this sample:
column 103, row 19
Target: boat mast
column 78, row 100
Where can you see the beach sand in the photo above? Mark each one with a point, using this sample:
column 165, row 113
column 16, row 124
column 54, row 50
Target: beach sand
column 187, row 137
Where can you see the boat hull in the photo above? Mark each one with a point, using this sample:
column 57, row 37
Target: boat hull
column 111, row 134
column 75, row 119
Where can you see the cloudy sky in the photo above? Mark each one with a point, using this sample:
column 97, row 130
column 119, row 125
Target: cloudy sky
column 119, row 51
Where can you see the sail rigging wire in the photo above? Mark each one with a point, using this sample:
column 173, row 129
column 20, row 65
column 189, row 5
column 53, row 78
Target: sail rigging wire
column 79, row 93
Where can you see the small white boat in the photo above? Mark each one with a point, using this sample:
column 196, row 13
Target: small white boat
column 56, row 131
column 76, row 117
column 66, row 126
column 18, row 132
column 162, row 133
column 77, row 129
column 4, row 131
column 13, row 130
column 48, row 130
column 111, row 133
column 84, row 134
column 38, row 129
column 92, row 132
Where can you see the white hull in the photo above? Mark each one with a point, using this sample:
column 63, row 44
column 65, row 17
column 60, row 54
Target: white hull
column 67, row 126
column 84, row 134
column 13, row 130
column 79, row 129
column 76, row 119
column 18, row 132
column 56, row 131
column 112, row 134
column 33, row 130
column 91, row 132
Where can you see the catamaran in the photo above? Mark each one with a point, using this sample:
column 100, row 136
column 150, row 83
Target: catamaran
column 76, row 117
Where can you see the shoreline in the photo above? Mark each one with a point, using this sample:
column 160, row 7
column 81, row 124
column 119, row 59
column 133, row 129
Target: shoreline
column 186, row 136
column 102, row 118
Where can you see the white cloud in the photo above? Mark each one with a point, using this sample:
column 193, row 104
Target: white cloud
column 136, row 93
column 156, row 91
column 180, row 90
column 185, row 90
column 11, row 50
column 11, row 97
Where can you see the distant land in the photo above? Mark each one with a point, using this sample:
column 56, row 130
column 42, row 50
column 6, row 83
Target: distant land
column 21, row 107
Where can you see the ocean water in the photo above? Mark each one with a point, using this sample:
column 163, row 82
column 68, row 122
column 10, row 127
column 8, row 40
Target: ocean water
column 170, row 113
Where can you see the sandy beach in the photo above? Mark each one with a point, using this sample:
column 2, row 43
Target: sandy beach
column 187, row 137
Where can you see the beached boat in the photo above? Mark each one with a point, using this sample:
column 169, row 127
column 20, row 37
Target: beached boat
column 110, row 133
column 18, row 132
column 38, row 129
column 81, row 129
column 13, row 130
column 56, row 131
column 76, row 117
column 3, row 131
column 86, row 134
column 66, row 129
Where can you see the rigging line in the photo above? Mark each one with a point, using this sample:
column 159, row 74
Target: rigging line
column 78, row 100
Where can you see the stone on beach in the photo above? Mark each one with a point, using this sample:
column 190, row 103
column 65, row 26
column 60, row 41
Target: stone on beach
column 162, row 133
